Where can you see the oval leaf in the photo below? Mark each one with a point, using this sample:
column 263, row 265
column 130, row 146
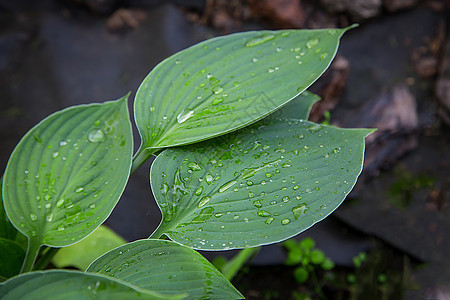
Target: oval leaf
column 165, row 267
column 262, row 185
column 228, row 82
column 83, row 253
column 67, row 173
column 59, row 284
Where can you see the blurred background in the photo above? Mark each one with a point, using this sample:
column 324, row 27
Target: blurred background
column 390, row 238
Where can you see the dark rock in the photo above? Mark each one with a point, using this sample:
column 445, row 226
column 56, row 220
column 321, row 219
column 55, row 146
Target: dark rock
column 396, row 5
column 443, row 86
column 283, row 13
column 358, row 10
column 330, row 87
column 123, row 19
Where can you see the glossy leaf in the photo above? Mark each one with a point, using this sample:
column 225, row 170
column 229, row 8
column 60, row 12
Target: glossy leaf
column 165, row 267
column 12, row 255
column 66, row 284
column 265, row 184
column 67, row 173
column 228, row 82
column 82, row 254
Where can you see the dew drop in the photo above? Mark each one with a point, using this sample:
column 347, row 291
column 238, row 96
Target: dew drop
column 227, row 185
column 259, row 40
column 184, row 115
column 62, row 143
column 79, row 189
column 257, row 203
column 152, row 108
column 263, row 213
column 311, row 43
column 269, row 220
column 61, row 227
column 285, row 221
column 199, row 191
column 217, row 101
column 217, row 89
column 33, row 217
column 278, row 49
column 286, row 199
column 286, row 165
column 299, row 210
column 55, row 154
column 60, row 202
column 254, row 59
column 96, row 136
column 209, row 179
column 194, row 166
column 296, row 187
column 273, row 202
column 49, row 217
column 48, row 205
column 323, row 56
column 203, row 201
column 218, row 215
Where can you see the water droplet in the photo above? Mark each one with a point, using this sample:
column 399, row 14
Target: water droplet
column 286, row 199
column 259, row 40
column 285, row 221
column 217, row 89
column 296, row 187
column 251, row 194
column 209, row 179
column 227, row 185
column 269, row 220
column 33, row 217
column 278, row 49
column 47, row 205
column 263, row 213
column 62, row 143
column 184, row 115
column 96, row 136
column 273, row 202
column 286, row 165
column 79, row 189
column 257, row 203
column 323, row 206
column 268, row 175
column 217, row 101
column 254, row 59
column 311, row 43
column 299, row 210
column 323, row 56
column 177, row 61
column 249, row 182
column 203, row 201
column 218, row 215
column 49, row 217
column 204, row 215
column 199, row 191
column 55, row 154
column 152, row 108
column 271, row 70
column 92, row 206
column 194, row 166
column 336, row 150
column 61, row 227
column 60, row 202
column 317, row 188
column 314, row 128
column 47, row 197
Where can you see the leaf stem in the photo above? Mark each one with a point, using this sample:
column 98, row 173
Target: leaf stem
column 141, row 157
column 45, row 259
column 157, row 233
column 231, row 268
column 32, row 252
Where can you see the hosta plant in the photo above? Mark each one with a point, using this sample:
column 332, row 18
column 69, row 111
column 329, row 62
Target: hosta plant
column 238, row 165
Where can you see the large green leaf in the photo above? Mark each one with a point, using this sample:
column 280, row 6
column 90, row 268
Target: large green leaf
column 265, row 184
column 82, row 254
column 228, row 82
column 165, row 267
column 67, row 173
column 11, row 258
column 66, row 284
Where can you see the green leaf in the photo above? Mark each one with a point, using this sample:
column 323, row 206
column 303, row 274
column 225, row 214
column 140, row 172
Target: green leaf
column 67, row 173
column 297, row 108
column 85, row 252
column 12, row 255
column 67, row 284
column 165, row 267
column 228, row 82
column 7, row 231
column 301, row 274
column 262, row 185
